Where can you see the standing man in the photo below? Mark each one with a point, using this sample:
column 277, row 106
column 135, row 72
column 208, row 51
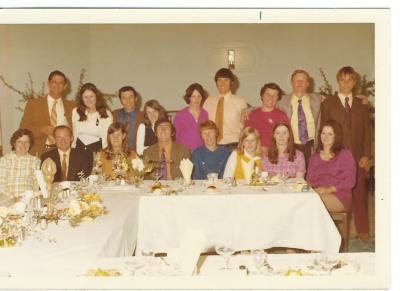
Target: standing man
column 353, row 116
column 226, row 109
column 129, row 115
column 303, row 111
column 166, row 152
column 42, row 115
column 69, row 161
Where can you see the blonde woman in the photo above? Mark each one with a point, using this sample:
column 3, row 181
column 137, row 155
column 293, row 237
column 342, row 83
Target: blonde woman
column 249, row 149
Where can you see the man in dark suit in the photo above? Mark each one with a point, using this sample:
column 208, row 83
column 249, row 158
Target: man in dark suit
column 349, row 111
column 129, row 115
column 166, row 152
column 41, row 115
column 69, row 161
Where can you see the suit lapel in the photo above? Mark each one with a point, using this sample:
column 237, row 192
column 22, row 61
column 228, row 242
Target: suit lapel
column 58, row 163
column 45, row 112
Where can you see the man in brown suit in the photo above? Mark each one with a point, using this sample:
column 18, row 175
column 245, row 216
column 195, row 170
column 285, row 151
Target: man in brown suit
column 129, row 115
column 166, row 152
column 353, row 116
column 42, row 115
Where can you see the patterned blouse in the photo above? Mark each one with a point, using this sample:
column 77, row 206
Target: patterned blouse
column 17, row 174
column 284, row 166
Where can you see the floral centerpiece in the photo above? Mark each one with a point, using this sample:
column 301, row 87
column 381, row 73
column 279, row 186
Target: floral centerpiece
column 140, row 167
column 86, row 207
column 11, row 225
column 120, row 166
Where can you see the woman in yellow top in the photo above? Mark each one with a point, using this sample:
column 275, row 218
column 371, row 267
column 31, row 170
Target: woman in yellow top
column 248, row 152
column 116, row 159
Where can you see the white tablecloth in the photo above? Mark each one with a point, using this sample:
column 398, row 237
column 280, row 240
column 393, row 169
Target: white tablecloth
column 246, row 219
column 111, row 235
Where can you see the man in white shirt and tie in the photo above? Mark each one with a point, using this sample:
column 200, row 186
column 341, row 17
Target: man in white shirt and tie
column 43, row 114
column 226, row 109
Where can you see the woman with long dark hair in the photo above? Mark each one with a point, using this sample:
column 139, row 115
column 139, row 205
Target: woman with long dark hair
column 152, row 111
column 282, row 158
column 90, row 120
column 332, row 169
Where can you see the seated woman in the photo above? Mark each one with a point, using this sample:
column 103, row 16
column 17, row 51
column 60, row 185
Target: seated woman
column 248, row 150
column 282, row 158
column 187, row 120
column 146, row 136
column 90, row 120
column 117, row 151
column 17, row 169
column 332, row 169
column 210, row 157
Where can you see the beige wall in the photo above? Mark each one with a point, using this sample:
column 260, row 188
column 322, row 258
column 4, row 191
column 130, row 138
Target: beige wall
column 161, row 60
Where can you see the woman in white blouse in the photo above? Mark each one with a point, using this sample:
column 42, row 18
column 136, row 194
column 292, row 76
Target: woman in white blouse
column 90, row 120
column 152, row 111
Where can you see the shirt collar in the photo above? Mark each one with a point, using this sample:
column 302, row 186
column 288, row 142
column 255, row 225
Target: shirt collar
column 61, row 153
column 295, row 97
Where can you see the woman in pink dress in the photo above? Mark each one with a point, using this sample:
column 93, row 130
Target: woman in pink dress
column 332, row 169
column 187, row 120
column 282, row 158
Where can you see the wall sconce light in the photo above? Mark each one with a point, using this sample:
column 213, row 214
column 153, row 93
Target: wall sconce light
column 231, row 59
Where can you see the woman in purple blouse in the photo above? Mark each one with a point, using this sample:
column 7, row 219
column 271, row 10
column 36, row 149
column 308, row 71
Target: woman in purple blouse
column 187, row 120
column 332, row 169
column 282, row 158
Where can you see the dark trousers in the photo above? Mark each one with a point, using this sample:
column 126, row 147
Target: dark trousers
column 306, row 149
column 360, row 205
column 89, row 148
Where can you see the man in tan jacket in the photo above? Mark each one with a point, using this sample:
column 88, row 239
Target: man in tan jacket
column 167, row 153
column 42, row 115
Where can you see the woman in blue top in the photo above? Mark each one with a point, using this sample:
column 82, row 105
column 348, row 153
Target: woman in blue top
column 210, row 157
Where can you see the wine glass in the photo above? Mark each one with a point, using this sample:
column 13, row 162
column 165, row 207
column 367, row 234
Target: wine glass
column 259, row 259
column 156, row 174
column 226, row 252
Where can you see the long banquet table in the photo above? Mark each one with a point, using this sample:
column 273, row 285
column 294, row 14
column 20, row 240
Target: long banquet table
column 243, row 217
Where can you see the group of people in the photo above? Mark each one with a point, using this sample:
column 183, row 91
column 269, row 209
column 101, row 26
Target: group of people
column 297, row 135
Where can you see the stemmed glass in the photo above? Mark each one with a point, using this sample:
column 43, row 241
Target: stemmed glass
column 226, row 252
column 156, row 174
column 259, row 259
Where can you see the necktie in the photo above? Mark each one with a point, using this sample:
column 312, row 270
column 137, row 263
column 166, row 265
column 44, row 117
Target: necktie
column 303, row 133
column 219, row 118
column 163, row 165
column 347, row 105
column 53, row 116
column 64, row 167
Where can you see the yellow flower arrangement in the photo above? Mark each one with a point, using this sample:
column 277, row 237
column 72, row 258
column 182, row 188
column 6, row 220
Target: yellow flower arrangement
column 85, row 208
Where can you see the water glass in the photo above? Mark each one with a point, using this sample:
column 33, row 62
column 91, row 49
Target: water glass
column 259, row 257
column 226, row 252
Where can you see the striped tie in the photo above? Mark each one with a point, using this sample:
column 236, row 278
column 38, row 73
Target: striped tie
column 53, row 116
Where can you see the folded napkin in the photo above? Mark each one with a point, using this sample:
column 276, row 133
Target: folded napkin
column 186, row 167
column 191, row 245
column 248, row 169
column 41, row 183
